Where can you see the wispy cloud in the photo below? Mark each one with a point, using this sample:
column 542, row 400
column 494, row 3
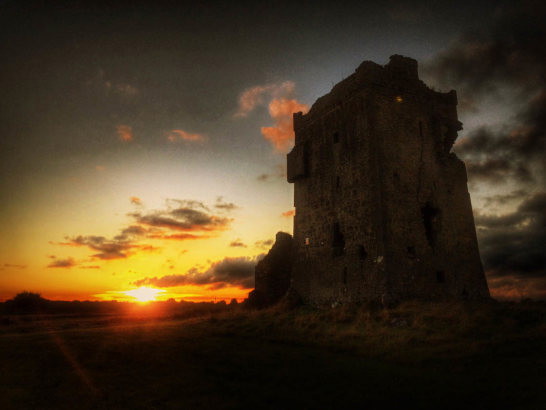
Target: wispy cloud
column 107, row 248
column 62, row 263
column 281, row 106
column 14, row 265
column 124, row 91
column 181, row 135
column 277, row 173
column 224, row 206
column 180, row 220
column 135, row 200
column 264, row 244
column 238, row 272
column 281, row 135
column 237, row 243
column 255, row 96
column 125, row 132
column 289, row 214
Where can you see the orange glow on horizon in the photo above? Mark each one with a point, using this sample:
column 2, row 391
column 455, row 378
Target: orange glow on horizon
column 144, row 294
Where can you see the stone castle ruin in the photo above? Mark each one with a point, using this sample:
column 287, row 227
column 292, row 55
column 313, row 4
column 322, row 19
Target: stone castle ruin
column 383, row 211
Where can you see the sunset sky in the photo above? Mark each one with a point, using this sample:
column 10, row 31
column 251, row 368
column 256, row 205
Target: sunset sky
column 143, row 144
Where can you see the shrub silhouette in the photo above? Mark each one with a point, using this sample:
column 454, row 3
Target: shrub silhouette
column 27, row 302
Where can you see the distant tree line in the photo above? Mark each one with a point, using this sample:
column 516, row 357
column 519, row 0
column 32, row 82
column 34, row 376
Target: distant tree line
column 33, row 303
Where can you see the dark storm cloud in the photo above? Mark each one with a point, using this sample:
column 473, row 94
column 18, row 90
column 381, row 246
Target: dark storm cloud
column 238, row 272
column 514, row 244
column 507, row 58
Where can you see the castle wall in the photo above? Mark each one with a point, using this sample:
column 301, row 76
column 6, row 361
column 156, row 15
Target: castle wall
column 382, row 206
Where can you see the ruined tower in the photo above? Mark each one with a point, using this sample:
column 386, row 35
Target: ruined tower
column 382, row 206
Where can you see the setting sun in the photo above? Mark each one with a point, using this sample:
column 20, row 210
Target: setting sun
column 144, row 294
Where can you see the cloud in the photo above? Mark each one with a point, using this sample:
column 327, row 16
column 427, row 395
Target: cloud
column 177, row 236
column 255, row 96
column 62, row 263
column 184, row 219
column 135, row 200
column 107, row 248
column 124, row 91
column 181, row 220
column 512, row 244
column 181, row 135
column 132, row 231
column 412, row 12
column 502, row 199
column 125, row 132
column 238, row 272
column 281, row 135
column 14, row 265
column 289, row 214
column 506, row 62
column 516, row 288
column 237, row 243
column 264, row 244
column 281, row 108
column 225, row 206
column 279, row 172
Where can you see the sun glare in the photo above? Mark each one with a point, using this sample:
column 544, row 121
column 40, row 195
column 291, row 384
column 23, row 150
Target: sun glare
column 144, row 294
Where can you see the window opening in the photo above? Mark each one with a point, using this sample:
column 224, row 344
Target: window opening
column 362, row 254
column 430, row 222
column 440, row 276
column 338, row 241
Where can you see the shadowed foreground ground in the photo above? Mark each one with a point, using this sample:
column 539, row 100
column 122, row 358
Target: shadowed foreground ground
column 447, row 357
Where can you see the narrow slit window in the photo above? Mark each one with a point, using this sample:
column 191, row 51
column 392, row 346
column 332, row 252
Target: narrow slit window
column 362, row 254
column 440, row 276
column 431, row 217
column 338, row 240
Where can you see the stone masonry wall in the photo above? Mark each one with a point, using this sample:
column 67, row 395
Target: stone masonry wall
column 382, row 207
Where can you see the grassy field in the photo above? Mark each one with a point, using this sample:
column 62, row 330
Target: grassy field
column 441, row 356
